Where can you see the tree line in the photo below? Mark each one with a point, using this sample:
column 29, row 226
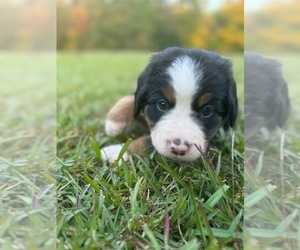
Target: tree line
column 151, row 25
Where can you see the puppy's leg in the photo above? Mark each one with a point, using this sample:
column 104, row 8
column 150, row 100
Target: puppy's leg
column 137, row 146
column 119, row 116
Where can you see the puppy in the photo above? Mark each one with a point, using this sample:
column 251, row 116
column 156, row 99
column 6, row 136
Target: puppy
column 183, row 96
column 267, row 103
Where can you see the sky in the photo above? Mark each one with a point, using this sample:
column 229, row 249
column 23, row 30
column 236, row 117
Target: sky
column 249, row 5
column 211, row 5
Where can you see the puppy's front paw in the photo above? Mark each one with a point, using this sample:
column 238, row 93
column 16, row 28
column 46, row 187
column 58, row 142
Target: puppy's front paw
column 113, row 128
column 119, row 116
column 111, row 153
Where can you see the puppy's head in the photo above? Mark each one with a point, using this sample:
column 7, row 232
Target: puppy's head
column 186, row 96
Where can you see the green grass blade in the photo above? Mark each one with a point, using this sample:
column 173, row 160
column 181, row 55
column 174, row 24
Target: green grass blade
column 95, row 145
column 258, row 195
column 282, row 226
column 259, row 165
column 180, row 208
column 133, row 197
column 214, row 199
column 164, row 164
column 236, row 220
column 149, row 233
column 123, row 150
column 198, row 218
column 191, row 245
column 91, row 182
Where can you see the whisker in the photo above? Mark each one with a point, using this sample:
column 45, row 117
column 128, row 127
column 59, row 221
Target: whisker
column 204, row 156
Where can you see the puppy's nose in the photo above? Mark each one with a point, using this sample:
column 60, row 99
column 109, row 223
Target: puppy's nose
column 178, row 147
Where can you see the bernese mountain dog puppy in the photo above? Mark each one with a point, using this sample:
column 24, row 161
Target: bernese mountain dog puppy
column 267, row 102
column 184, row 96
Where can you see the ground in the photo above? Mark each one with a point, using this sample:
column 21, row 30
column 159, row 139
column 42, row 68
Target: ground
column 151, row 202
column 144, row 203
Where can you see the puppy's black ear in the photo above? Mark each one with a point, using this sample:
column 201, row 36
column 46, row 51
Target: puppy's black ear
column 231, row 105
column 140, row 93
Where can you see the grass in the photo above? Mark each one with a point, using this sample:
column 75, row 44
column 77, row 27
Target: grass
column 27, row 151
column 152, row 202
column 272, row 195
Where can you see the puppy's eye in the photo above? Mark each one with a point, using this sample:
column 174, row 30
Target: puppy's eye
column 207, row 110
column 162, row 105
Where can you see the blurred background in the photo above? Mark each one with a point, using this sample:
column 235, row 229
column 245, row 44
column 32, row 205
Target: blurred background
column 150, row 25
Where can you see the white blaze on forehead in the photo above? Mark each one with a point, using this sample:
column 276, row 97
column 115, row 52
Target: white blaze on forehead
column 185, row 74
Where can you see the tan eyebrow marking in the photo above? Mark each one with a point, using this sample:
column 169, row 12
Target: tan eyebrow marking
column 169, row 93
column 205, row 98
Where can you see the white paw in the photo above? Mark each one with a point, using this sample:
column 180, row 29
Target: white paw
column 111, row 153
column 114, row 128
